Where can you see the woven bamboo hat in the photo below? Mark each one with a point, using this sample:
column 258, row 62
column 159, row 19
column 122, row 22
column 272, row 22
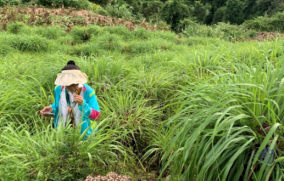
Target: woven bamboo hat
column 69, row 77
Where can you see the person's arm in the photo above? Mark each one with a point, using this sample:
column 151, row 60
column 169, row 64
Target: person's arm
column 53, row 105
column 91, row 108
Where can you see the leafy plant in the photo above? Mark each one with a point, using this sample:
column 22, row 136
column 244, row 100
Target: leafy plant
column 15, row 28
column 30, row 43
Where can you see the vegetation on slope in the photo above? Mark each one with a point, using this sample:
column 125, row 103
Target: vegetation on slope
column 193, row 107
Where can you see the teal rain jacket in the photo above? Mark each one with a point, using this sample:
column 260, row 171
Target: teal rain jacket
column 89, row 109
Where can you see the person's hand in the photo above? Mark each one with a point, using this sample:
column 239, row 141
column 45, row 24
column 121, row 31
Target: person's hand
column 78, row 99
column 46, row 109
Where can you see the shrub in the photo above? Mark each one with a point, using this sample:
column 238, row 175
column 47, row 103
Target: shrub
column 15, row 28
column 5, row 49
column 58, row 154
column 78, row 4
column 101, row 2
column 124, row 11
column 109, row 42
column 85, row 50
column 130, row 114
column 11, row 2
column 141, row 33
column 33, row 43
column 83, row 34
column 143, row 47
column 264, row 23
column 168, row 35
column 221, row 30
column 51, row 32
column 120, row 30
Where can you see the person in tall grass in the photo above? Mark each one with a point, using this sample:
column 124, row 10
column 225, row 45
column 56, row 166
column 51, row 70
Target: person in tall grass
column 84, row 106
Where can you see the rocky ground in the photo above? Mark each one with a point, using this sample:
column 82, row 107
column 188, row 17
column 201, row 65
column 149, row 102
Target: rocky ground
column 109, row 177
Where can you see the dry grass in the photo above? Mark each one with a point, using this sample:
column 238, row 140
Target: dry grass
column 35, row 16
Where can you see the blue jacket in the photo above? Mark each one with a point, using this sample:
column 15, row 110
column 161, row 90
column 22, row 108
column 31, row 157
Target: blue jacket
column 89, row 109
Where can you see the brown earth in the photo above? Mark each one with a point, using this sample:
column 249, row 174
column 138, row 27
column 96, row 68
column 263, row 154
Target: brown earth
column 262, row 36
column 39, row 16
column 109, row 177
column 112, row 176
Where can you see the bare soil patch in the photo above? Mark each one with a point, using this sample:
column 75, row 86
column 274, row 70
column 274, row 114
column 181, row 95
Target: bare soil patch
column 109, row 177
column 262, row 36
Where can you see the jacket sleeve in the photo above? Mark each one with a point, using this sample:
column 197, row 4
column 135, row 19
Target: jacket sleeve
column 54, row 104
column 91, row 108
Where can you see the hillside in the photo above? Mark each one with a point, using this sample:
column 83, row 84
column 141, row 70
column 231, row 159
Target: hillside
column 202, row 105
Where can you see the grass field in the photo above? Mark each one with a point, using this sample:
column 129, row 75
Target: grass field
column 194, row 108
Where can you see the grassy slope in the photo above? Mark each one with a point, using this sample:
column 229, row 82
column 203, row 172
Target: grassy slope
column 189, row 100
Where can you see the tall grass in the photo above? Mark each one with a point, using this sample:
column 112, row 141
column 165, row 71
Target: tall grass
column 192, row 108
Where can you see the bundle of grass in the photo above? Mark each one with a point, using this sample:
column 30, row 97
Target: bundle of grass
column 167, row 35
column 141, row 33
column 84, row 34
column 148, row 46
column 51, row 32
column 89, row 49
column 129, row 113
column 61, row 154
column 16, row 27
column 30, row 43
column 5, row 49
column 105, row 72
column 120, row 31
column 109, row 42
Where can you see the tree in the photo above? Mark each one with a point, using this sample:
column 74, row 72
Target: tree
column 151, row 8
column 200, row 11
column 101, row 2
column 220, row 14
column 234, row 11
column 174, row 11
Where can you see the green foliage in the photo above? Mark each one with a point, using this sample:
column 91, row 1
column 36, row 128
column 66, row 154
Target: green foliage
column 271, row 7
column 53, row 32
column 151, row 9
column 30, row 43
column 5, row 49
column 220, row 15
column 109, row 42
column 121, row 31
column 120, row 11
column 234, row 11
column 221, row 30
column 211, row 128
column 15, row 28
column 194, row 105
column 174, row 11
column 200, row 11
column 63, row 153
column 264, row 23
column 11, row 2
column 86, row 50
column 84, row 34
column 141, row 33
column 129, row 112
column 82, row 4
column 143, row 47
column 101, row 2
